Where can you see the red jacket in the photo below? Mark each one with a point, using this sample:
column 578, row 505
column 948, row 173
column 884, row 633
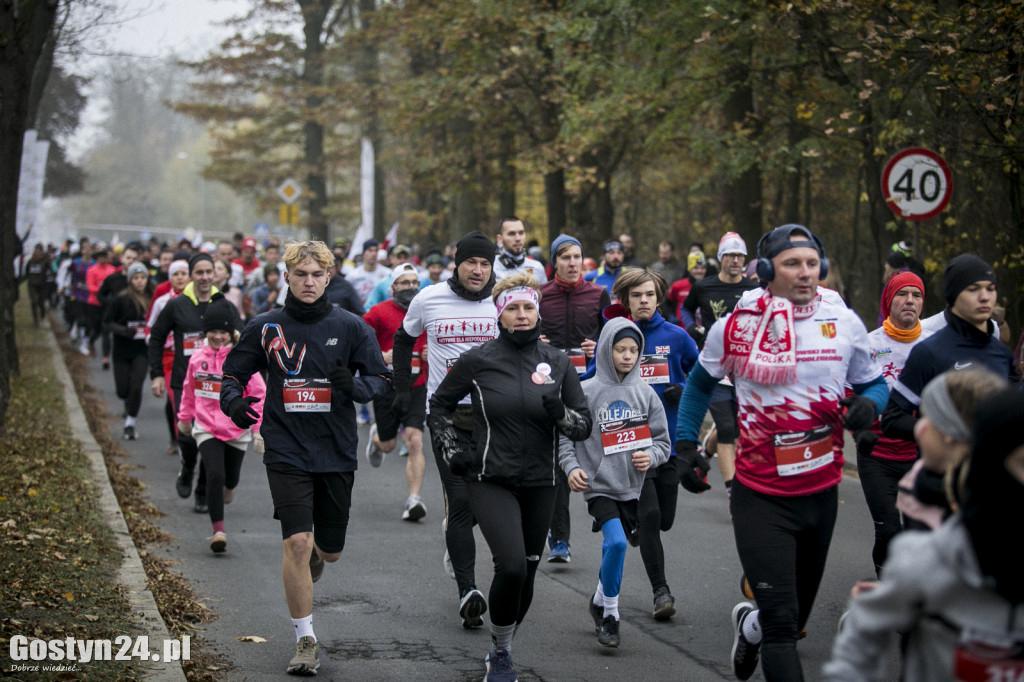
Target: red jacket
column 385, row 319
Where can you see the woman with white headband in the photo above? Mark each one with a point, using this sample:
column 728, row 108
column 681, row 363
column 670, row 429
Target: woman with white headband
column 524, row 394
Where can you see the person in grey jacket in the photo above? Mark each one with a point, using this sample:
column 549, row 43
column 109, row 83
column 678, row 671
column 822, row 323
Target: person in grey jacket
column 631, row 436
column 954, row 594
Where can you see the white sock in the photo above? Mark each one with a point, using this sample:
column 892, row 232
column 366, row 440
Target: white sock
column 129, row 420
column 303, row 627
column 598, row 597
column 752, row 627
column 611, row 606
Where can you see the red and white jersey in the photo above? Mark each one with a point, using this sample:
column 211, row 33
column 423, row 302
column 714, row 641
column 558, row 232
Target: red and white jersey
column 791, row 435
column 453, row 325
column 891, row 356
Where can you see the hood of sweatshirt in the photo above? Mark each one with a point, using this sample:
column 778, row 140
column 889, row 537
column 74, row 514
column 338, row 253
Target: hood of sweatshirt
column 603, row 355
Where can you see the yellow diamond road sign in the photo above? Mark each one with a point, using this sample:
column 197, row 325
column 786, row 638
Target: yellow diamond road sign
column 289, row 191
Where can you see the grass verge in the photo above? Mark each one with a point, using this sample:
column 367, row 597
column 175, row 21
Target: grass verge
column 57, row 558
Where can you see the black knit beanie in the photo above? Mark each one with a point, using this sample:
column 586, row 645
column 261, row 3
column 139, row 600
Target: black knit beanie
column 474, row 245
column 962, row 272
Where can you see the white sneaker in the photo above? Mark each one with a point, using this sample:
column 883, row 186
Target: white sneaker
column 414, row 509
column 374, row 455
column 83, row 348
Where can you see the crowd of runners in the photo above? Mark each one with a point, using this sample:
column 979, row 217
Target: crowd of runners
column 543, row 373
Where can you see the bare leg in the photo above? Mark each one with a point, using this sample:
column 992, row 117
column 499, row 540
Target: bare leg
column 415, row 463
column 298, row 585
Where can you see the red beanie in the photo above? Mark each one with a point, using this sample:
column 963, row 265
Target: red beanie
column 897, row 282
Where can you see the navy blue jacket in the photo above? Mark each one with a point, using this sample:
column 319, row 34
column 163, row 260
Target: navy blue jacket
column 292, row 350
column 958, row 345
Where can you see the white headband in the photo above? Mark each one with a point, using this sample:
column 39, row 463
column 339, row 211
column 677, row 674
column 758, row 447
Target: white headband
column 516, row 294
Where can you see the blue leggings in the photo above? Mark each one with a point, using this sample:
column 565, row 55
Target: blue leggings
column 613, row 556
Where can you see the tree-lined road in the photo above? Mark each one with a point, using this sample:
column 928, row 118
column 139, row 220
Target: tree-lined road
column 388, row 611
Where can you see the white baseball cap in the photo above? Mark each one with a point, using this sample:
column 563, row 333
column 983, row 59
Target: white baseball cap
column 404, row 269
column 731, row 242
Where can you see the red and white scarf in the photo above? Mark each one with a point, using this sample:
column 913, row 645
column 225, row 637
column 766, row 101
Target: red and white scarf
column 760, row 339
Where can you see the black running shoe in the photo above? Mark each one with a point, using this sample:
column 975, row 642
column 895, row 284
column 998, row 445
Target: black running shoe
column 200, row 506
column 472, row 607
column 184, row 482
column 597, row 613
column 744, row 654
column 664, row 604
column 609, row 632
column 316, row 565
column 129, row 433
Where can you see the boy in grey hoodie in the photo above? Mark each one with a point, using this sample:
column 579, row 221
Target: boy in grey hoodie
column 630, row 436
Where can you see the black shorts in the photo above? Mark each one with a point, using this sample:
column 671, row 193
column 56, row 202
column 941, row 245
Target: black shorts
column 317, row 502
column 387, row 422
column 604, row 509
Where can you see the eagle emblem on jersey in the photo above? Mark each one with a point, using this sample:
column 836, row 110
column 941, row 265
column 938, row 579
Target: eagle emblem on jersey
column 718, row 308
column 776, row 338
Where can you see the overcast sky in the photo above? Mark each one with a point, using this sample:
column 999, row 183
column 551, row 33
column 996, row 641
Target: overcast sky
column 189, row 28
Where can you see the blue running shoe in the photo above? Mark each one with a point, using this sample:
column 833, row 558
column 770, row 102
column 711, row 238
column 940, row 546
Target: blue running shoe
column 499, row 667
column 560, row 554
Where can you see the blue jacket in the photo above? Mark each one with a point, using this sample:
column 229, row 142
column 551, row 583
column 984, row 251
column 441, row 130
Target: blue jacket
column 662, row 337
column 604, row 277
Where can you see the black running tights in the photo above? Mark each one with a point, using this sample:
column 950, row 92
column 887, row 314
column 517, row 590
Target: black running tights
column 223, row 468
column 657, row 513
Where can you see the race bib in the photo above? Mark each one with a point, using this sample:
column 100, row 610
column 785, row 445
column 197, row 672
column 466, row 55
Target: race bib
column 415, row 367
column 985, row 657
column 799, row 453
column 138, row 330
column 654, row 369
column 192, row 341
column 578, row 359
column 307, row 395
column 207, row 385
column 623, row 435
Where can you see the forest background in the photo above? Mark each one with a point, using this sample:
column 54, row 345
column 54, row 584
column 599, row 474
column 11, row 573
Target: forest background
column 670, row 120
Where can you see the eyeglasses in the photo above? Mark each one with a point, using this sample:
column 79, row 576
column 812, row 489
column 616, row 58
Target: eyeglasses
column 733, row 255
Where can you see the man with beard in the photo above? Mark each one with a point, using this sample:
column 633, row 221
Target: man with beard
column 512, row 257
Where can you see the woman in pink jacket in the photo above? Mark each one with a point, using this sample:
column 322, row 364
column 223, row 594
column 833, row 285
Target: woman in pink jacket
column 222, row 445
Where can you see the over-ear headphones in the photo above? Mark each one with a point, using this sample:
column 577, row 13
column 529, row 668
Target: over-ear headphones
column 776, row 241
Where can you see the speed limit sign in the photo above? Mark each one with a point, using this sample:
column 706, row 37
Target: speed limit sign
column 917, row 184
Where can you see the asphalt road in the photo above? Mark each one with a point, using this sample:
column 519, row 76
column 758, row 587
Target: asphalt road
column 388, row 611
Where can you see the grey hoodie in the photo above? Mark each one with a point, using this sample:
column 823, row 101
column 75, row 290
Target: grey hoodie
column 606, row 457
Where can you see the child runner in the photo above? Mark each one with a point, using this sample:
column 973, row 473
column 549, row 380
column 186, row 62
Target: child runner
column 608, row 468
column 222, row 445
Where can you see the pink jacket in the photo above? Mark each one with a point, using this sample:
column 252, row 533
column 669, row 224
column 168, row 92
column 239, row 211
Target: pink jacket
column 200, row 395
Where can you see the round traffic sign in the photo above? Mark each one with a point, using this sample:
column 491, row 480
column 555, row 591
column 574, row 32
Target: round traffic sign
column 917, row 184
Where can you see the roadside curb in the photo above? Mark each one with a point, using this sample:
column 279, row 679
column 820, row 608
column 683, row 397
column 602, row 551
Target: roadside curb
column 131, row 573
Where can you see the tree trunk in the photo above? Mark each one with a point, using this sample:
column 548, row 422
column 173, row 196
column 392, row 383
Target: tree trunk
column 23, row 37
column 314, row 14
column 741, row 197
column 554, row 195
column 507, row 176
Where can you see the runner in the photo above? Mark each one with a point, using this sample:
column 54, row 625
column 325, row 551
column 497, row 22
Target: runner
column 570, row 320
column 385, row 319
column 883, row 461
column 668, row 355
column 609, row 467
column 523, row 394
column 712, row 298
column 182, row 316
column 177, row 280
column 512, row 257
column 311, row 352
column 457, row 316
column 126, row 320
column 953, row 597
column 222, row 445
column 791, row 356
column 610, row 268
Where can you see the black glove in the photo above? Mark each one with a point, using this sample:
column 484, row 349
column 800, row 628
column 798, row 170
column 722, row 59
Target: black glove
column 241, row 412
column 341, row 379
column 554, row 406
column 865, row 441
column 696, row 333
column 400, row 405
column 672, row 394
column 860, row 412
column 693, row 472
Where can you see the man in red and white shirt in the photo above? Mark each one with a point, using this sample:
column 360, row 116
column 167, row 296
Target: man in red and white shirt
column 791, row 354
column 386, row 318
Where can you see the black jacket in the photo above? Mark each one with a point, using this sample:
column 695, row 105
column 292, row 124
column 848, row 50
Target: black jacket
column 183, row 315
column 292, row 351
column 515, row 442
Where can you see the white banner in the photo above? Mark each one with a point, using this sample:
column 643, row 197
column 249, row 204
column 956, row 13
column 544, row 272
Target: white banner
column 30, row 185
